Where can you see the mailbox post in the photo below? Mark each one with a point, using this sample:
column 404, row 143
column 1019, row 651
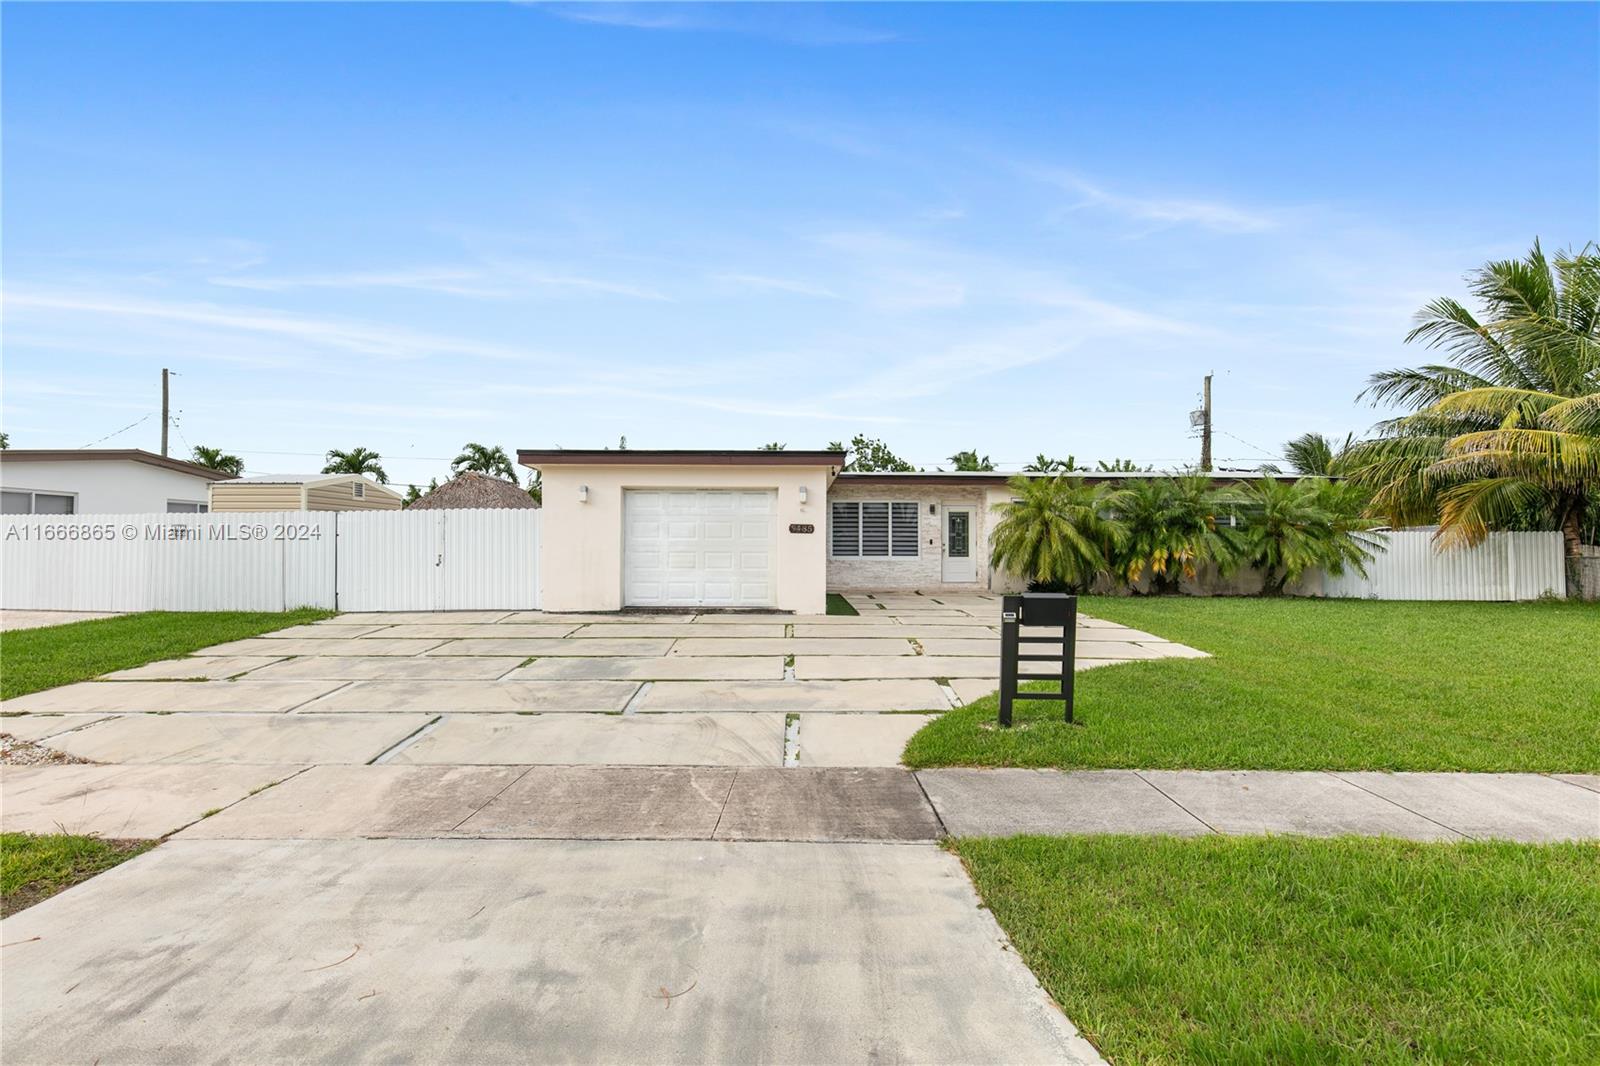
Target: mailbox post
column 1036, row 611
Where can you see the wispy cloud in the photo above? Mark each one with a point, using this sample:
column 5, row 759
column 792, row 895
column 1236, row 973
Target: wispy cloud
column 803, row 24
column 771, row 284
column 1161, row 212
column 365, row 338
column 493, row 282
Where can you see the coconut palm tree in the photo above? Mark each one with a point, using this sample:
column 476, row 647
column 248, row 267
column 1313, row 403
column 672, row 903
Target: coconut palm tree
column 1506, row 434
column 1043, row 464
column 970, row 461
column 1172, row 530
column 482, row 459
column 356, row 461
column 1292, row 527
column 216, row 459
column 1056, row 531
column 1312, row 453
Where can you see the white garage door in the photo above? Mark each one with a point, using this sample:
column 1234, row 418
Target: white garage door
column 698, row 547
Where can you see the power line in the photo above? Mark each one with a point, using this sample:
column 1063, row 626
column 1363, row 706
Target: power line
column 124, row 429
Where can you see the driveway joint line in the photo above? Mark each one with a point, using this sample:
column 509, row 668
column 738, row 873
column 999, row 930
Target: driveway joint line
column 937, row 817
column 295, row 708
column 732, row 780
column 1335, row 774
column 1551, row 774
column 406, row 741
column 1209, row 827
column 631, row 707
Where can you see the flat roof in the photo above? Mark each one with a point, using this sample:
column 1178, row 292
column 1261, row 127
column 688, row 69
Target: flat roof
column 675, row 457
column 128, row 455
column 989, row 477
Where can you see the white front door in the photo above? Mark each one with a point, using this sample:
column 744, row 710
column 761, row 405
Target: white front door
column 958, row 562
column 698, row 548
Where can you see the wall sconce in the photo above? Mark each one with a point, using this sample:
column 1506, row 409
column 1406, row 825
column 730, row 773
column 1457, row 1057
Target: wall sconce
column 933, row 508
column 803, row 494
column 583, row 493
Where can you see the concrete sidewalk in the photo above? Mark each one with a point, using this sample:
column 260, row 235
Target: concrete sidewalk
column 1418, row 806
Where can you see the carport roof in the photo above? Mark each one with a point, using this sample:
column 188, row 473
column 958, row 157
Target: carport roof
column 675, row 457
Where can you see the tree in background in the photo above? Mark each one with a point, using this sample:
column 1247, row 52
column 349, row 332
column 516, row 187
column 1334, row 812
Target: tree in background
column 971, row 461
column 5, row 441
column 773, row 447
column 216, row 459
column 1292, row 527
column 1056, row 532
column 1043, row 464
column 413, row 494
column 481, row 459
column 1172, row 529
column 1120, row 466
column 1506, row 433
column 1316, row 455
column 536, row 487
column 356, row 461
column 867, row 454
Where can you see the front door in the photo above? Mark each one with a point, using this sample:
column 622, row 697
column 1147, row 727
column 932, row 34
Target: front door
column 959, row 564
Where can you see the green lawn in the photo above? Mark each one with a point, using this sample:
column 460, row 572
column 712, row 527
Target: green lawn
column 837, row 604
column 35, row 659
column 33, row 868
column 1289, row 950
column 1315, row 685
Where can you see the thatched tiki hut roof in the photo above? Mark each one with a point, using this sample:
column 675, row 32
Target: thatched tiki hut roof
column 470, row 490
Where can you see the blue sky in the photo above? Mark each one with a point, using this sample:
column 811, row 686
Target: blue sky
column 1021, row 229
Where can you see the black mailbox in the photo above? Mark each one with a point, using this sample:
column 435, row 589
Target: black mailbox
column 1037, row 611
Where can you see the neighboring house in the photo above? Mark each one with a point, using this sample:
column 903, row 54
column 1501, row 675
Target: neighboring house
column 101, row 481
column 303, row 492
column 773, row 529
column 473, row 490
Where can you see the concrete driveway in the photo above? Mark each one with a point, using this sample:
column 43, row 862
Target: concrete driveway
column 498, row 836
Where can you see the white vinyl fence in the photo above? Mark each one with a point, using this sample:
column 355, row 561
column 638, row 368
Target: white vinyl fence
column 273, row 561
column 1506, row 566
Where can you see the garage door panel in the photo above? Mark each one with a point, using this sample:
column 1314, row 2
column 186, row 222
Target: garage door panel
column 705, row 547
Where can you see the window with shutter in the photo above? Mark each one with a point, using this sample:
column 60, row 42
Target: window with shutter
column 846, row 529
column 874, row 530
column 905, row 535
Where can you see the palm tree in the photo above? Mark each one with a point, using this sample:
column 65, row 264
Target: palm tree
column 1119, row 466
column 482, row 459
column 1172, row 530
column 536, row 487
column 971, row 461
column 1043, row 464
column 1506, row 434
column 1292, row 527
column 216, row 459
column 775, row 446
column 1312, row 453
column 356, row 461
column 1055, row 531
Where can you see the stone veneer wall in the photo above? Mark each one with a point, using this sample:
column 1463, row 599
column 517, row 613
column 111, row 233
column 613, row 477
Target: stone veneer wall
column 925, row 571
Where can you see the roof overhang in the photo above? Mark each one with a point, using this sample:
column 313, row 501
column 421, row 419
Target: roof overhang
column 100, row 455
column 540, row 458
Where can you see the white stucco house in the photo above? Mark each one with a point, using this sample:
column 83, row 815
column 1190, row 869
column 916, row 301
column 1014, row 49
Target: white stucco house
column 101, row 481
column 754, row 529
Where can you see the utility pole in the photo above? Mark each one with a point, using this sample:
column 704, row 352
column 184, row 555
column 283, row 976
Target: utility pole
column 1205, row 429
column 165, row 407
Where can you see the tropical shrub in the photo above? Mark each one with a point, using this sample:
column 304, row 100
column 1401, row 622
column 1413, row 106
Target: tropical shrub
column 1289, row 528
column 1171, row 530
column 1056, row 532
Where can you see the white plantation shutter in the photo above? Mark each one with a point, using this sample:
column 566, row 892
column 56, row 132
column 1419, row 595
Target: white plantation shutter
column 874, row 529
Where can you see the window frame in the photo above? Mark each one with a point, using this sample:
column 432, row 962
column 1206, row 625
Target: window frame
column 889, row 505
column 33, row 500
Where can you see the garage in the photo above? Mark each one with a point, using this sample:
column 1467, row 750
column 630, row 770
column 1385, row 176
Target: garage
column 699, row 548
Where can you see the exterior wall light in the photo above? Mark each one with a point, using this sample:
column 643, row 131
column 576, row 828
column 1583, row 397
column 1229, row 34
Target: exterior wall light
column 583, row 493
column 803, row 494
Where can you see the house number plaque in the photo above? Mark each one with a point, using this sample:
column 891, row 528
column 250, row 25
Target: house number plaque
column 802, row 527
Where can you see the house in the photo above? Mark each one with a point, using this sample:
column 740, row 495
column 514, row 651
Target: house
column 101, row 481
column 473, row 490
column 303, row 492
column 756, row 529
